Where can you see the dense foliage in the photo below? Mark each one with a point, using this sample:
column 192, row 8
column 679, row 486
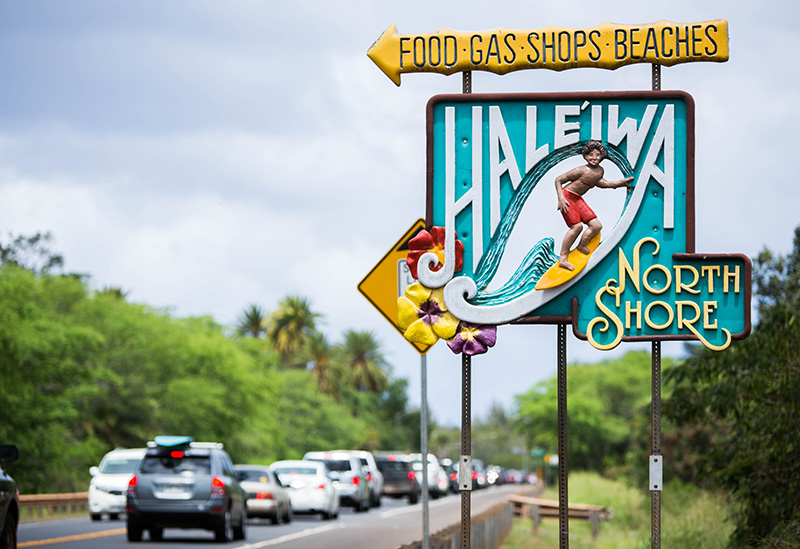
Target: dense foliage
column 604, row 402
column 82, row 372
column 749, row 395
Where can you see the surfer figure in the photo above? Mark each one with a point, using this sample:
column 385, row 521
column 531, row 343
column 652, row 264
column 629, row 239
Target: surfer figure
column 570, row 188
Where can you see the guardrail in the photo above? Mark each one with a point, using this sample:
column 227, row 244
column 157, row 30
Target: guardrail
column 41, row 505
column 538, row 508
column 487, row 530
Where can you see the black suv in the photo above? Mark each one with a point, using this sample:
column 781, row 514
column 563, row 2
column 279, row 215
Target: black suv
column 184, row 484
column 399, row 478
column 9, row 499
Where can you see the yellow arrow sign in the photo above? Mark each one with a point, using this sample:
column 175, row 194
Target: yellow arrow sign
column 608, row 46
column 389, row 279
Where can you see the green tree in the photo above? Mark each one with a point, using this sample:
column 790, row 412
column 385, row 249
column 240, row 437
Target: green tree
column 602, row 402
column 327, row 371
column 251, row 322
column 31, row 253
column 291, row 325
column 749, row 397
column 367, row 366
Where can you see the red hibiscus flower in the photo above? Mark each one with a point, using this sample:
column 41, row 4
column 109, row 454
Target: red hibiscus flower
column 432, row 241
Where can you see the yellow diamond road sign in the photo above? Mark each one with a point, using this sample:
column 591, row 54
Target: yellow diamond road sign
column 389, row 279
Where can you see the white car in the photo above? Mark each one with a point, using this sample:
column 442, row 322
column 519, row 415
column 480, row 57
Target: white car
column 110, row 481
column 310, row 487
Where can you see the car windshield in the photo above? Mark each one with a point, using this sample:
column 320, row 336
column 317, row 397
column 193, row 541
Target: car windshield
column 254, row 475
column 295, row 471
column 392, row 466
column 337, row 465
column 119, row 466
column 167, row 465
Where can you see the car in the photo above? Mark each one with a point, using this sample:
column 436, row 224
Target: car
column 107, row 489
column 348, row 476
column 185, row 484
column 310, row 487
column 478, row 475
column 436, row 487
column 451, row 469
column 9, row 498
column 266, row 495
column 399, row 478
column 373, row 473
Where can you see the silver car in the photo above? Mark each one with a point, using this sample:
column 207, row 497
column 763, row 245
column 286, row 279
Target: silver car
column 310, row 487
column 184, row 484
column 266, row 495
column 348, row 476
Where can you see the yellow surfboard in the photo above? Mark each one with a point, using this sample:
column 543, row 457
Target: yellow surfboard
column 556, row 276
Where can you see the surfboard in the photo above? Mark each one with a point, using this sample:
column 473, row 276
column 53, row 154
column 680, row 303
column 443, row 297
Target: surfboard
column 556, row 276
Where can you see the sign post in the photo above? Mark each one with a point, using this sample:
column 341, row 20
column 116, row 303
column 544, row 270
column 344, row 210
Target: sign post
column 632, row 275
column 382, row 286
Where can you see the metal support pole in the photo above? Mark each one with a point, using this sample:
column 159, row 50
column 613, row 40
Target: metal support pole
column 656, row 77
column 563, row 503
column 465, row 462
column 465, row 465
column 424, row 449
column 656, row 460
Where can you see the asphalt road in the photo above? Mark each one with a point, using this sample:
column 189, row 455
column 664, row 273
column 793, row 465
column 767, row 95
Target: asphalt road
column 385, row 527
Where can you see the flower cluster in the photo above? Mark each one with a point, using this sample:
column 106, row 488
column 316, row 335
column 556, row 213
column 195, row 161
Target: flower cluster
column 423, row 315
column 424, row 318
column 432, row 241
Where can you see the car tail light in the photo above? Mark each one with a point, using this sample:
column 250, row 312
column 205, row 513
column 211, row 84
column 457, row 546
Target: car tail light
column 132, row 485
column 217, row 487
column 321, row 486
column 356, row 481
column 474, row 475
column 453, row 476
column 177, row 454
column 369, row 477
column 411, row 475
column 264, row 495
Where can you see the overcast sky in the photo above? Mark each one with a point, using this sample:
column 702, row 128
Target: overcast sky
column 206, row 155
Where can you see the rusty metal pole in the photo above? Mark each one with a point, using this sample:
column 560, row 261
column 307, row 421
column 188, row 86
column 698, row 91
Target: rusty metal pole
column 465, row 461
column 563, row 503
column 656, row 458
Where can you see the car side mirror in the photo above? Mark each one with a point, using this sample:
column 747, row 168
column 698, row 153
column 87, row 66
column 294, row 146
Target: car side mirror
column 8, row 453
column 93, row 470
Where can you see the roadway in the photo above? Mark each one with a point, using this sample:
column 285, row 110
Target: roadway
column 386, row 527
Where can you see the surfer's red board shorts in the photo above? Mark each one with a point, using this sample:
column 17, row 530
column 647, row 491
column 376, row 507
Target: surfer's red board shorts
column 579, row 211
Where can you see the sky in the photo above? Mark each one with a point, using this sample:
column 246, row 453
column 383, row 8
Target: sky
column 205, row 156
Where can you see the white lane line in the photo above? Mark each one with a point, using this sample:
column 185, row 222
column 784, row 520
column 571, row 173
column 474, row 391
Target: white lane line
column 292, row 537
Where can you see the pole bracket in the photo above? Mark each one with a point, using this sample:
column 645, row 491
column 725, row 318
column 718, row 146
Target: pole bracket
column 465, row 473
column 656, row 473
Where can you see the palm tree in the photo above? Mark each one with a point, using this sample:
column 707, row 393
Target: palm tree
column 363, row 354
column 326, row 371
column 251, row 322
column 291, row 325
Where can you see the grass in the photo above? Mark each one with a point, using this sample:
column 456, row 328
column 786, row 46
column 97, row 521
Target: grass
column 690, row 518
